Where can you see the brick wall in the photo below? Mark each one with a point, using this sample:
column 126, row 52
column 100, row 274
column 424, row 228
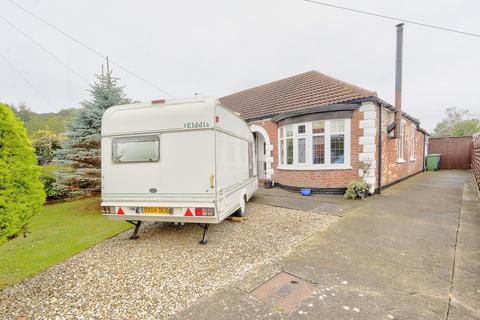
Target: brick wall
column 392, row 170
column 476, row 158
column 316, row 178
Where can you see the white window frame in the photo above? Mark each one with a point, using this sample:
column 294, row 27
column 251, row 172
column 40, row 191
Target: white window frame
column 135, row 139
column 281, row 146
column 412, row 144
column 400, row 143
column 297, row 136
column 308, row 135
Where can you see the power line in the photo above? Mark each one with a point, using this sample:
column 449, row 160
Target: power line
column 26, row 80
column 88, row 47
column 392, row 18
column 45, row 50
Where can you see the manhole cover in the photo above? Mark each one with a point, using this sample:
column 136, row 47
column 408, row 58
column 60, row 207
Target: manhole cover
column 283, row 292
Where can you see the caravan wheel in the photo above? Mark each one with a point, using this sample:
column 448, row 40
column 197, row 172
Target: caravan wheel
column 243, row 205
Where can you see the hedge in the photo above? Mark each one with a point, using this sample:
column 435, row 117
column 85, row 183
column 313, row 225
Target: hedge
column 21, row 192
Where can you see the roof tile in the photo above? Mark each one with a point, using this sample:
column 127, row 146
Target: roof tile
column 301, row 91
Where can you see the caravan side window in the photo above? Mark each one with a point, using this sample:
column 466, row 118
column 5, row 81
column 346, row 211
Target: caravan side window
column 136, row 149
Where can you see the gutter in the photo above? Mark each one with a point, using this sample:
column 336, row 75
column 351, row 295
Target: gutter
column 275, row 117
column 316, row 109
column 387, row 106
column 425, row 132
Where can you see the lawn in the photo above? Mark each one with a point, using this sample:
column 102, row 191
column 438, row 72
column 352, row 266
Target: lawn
column 57, row 232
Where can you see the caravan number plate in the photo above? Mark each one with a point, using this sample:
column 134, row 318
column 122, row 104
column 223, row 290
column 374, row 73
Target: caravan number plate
column 156, row 210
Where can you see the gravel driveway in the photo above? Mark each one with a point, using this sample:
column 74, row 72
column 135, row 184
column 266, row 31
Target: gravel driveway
column 161, row 273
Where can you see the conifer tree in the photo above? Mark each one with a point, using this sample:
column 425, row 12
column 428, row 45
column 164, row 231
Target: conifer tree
column 21, row 192
column 81, row 149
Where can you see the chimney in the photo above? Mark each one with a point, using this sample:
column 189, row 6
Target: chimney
column 398, row 80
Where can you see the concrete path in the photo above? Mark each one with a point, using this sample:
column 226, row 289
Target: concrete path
column 324, row 204
column 411, row 253
column 465, row 297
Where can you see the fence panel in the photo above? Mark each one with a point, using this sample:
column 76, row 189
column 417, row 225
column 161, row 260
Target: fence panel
column 456, row 151
column 476, row 157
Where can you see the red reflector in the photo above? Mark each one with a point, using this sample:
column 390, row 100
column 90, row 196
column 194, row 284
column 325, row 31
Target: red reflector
column 188, row 213
column 120, row 211
column 198, row 212
column 217, row 119
column 158, row 101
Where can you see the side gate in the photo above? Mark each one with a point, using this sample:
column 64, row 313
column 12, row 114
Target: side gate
column 456, row 151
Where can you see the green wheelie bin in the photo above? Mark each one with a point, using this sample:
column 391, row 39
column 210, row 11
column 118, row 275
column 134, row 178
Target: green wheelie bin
column 433, row 162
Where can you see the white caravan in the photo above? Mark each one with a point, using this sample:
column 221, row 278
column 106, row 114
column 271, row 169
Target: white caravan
column 185, row 161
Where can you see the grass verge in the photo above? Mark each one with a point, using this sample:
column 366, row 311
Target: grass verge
column 57, row 232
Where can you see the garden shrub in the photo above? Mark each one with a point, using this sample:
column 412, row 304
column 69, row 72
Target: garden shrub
column 45, row 142
column 21, row 192
column 357, row 190
column 48, row 179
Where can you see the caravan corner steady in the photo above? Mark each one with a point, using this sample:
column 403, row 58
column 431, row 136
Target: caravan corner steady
column 186, row 161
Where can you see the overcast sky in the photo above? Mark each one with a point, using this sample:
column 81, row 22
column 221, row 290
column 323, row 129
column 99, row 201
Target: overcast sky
column 217, row 47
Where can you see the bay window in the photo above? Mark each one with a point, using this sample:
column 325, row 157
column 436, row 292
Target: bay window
column 316, row 145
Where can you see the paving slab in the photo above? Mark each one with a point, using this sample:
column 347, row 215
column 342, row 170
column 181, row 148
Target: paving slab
column 334, row 205
column 410, row 253
column 229, row 304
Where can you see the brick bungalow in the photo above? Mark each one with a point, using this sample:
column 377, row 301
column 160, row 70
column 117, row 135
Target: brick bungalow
column 314, row 131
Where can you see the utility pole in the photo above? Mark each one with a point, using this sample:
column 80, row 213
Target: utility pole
column 108, row 66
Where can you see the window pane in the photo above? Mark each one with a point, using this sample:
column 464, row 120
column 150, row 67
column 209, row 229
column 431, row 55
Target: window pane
column 301, row 129
column 318, row 127
column 337, row 126
column 281, row 132
column 318, row 150
column 289, row 131
column 136, row 149
column 301, row 150
column 282, row 151
column 289, row 150
column 337, row 150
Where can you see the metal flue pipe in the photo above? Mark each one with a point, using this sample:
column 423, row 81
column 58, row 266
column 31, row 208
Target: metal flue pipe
column 398, row 80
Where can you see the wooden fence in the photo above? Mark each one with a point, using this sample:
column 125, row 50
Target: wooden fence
column 476, row 158
column 456, row 151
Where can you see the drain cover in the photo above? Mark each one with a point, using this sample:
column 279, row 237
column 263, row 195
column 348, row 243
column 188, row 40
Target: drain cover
column 283, row 292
